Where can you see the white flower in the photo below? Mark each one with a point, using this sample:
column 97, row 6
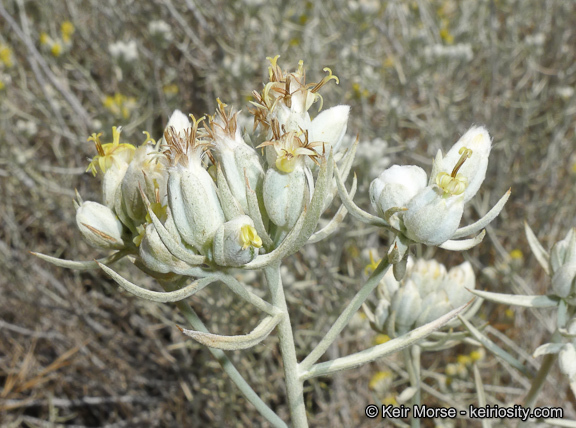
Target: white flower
column 99, row 225
column 426, row 292
column 235, row 156
column 124, row 51
column 432, row 213
column 396, row 186
column 286, row 193
column 236, row 242
column 192, row 195
column 432, row 219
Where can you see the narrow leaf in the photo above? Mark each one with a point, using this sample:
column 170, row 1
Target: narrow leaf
column 82, row 265
column 233, row 343
column 379, row 351
column 539, row 252
column 547, row 348
column 159, row 296
column 512, row 299
column 484, row 221
column 463, row 244
column 495, row 349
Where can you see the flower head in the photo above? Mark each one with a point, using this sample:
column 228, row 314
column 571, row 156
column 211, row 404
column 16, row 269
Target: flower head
column 431, row 214
column 110, row 153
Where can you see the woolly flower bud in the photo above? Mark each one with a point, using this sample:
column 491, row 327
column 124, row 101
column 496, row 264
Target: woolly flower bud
column 99, row 226
column 567, row 361
column 432, row 219
column 459, row 279
column 147, row 171
column 235, row 156
column 192, row 196
column 407, row 305
column 426, row 293
column 396, row 186
column 381, row 313
column 156, row 256
column 329, row 128
column 236, row 242
column 285, row 194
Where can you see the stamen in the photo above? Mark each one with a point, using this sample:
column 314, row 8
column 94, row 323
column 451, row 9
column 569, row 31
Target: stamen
column 465, row 154
column 249, row 237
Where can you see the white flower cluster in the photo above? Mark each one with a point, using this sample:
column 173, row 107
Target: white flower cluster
column 202, row 197
column 429, row 210
column 426, row 292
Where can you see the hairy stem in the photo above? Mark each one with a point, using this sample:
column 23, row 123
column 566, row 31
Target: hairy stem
column 294, row 386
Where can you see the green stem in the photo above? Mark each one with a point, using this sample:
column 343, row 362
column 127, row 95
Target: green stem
column 294, row 386
column 346, row 315
column 227, row 365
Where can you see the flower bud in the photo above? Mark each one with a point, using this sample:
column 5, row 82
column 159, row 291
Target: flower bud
column 388, row 285
column 234, row 155
column 567, row 361
column 195, row 206
column 285, row 194
column 434, row 305
column 459, row 279
column 564, row 251
column 236, row 242
column 111, row 183
column 147, row 171
column 407, row 304
column 156, row 256
column 192, row 196
column 99, row 225
column 381, row 313
column 431, row 218
column 396, row 186
column 329, row 128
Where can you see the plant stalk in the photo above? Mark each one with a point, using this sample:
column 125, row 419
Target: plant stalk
column 226, row 364
column 294, row 386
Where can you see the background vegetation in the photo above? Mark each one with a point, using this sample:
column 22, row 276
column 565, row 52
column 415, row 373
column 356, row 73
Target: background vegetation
column 75, row 350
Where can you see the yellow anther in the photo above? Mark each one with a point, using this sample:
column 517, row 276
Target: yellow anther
column 454, row 184
column 451, row 186
column 249, row 237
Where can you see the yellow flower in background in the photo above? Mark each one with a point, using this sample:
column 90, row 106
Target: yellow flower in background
column 170, row 90
column 56, row 49
column 67, row 29
column 44, row 38
column 58, row 45
column 120, row 105
column 6, row 55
